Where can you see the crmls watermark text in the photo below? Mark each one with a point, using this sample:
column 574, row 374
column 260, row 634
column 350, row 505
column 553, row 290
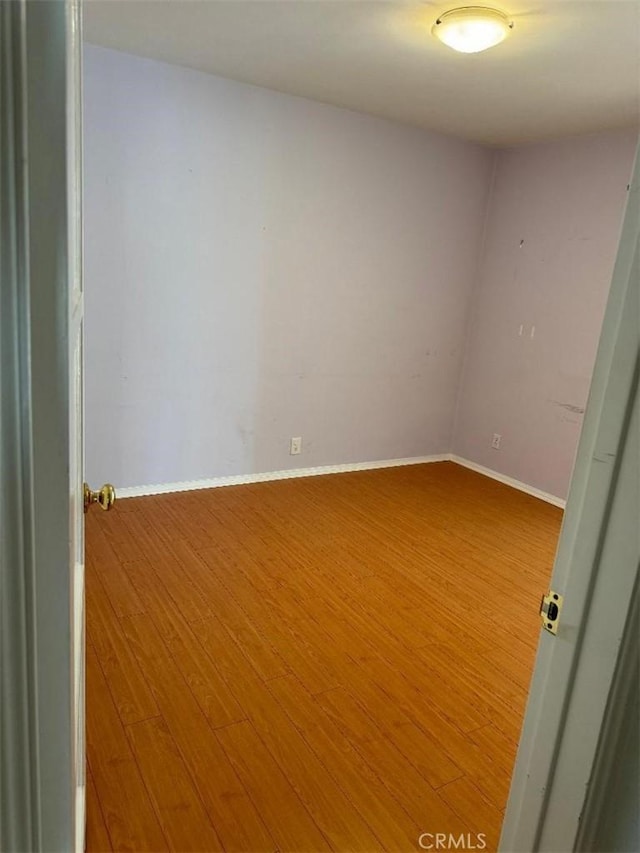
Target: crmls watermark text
column 448, row 841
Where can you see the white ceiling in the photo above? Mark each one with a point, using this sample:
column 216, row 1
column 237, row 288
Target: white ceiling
column 570, row 66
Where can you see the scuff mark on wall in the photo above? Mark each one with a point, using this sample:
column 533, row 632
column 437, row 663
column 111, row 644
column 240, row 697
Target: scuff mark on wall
column 607, row 461
column 578, row 410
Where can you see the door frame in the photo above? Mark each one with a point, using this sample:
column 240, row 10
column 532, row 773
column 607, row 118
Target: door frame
column 38, row 43
column 568, row 721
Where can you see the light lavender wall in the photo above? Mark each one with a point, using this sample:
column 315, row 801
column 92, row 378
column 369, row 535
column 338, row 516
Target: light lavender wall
column 260, row 266
column 552, row 232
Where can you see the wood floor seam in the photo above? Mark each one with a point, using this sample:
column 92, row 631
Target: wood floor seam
column 138, row 722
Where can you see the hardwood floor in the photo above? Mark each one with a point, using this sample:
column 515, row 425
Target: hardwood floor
column 332, row 663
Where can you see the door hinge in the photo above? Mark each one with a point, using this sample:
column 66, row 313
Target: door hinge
column 550, row 608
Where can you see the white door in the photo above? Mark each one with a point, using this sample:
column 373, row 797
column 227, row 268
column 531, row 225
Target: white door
column 75, row 301
column 81, row 498
column 42, row 772
column 571, row 722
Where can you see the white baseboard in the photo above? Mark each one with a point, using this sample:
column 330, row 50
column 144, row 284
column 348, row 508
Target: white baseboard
column 509, row 481
column 240, row 479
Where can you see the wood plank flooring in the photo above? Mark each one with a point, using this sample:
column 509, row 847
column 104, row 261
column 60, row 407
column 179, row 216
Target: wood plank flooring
column 331, row 663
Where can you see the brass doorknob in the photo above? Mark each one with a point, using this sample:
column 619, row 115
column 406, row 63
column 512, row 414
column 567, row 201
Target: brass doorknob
column 105, row 497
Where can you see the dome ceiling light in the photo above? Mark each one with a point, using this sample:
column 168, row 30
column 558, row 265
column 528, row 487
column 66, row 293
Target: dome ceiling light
column 471, row 29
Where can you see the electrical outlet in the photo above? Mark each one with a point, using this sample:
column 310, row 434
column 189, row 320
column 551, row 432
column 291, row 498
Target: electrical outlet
column 495, row 441
column 295, row 446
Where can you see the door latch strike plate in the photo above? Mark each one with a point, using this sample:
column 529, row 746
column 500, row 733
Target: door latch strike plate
column 550, row 608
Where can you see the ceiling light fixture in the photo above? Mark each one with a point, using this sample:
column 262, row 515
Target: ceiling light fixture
column 471, row 29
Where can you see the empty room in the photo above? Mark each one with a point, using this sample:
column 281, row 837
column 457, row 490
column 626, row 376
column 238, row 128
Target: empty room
column 349, row 274
column 319, row 241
